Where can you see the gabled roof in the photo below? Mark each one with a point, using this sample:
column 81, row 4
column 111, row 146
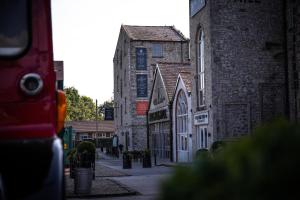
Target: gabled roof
column 170, row 72
column 90, row 126
column 154, row 33
column 187, row 78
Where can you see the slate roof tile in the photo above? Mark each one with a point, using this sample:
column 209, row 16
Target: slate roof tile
column 90, row 126
column 154, row 33
column 170, row 72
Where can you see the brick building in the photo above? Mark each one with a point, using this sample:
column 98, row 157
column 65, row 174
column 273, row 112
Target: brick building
column 92, row 130
column 245, row 67
column 138, row 50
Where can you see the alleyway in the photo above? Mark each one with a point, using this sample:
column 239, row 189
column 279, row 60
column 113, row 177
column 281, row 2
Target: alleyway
column 114, row 182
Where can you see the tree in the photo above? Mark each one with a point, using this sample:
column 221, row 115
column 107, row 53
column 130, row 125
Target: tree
column 79, row 107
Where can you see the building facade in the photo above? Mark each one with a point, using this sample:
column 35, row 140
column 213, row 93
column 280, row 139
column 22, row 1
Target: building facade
column 293, row 57
column 138, row 50
column 182, row 118
column 160, row 114
column 238, row 53
column 92, row 130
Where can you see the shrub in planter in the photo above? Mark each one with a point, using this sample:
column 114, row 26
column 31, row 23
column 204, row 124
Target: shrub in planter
column 264, row 165
column 127, row 160
column 71, row 157
column 86, row 152
column 201, row 152
column 147, row 159
column 217, row 146
column 85, row 167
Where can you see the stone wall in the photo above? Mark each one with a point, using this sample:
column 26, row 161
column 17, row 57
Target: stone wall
column 201, row 22
column 293, row 47
column 244, row 64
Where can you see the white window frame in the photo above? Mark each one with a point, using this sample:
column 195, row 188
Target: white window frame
column 200, row 69
column 182, row 122
column 202, row 137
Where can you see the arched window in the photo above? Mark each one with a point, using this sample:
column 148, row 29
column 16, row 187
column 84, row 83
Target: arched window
column 200, row 70
column 182, row 122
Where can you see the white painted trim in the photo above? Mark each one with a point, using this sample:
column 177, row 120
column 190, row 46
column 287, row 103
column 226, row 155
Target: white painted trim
column 181, row 86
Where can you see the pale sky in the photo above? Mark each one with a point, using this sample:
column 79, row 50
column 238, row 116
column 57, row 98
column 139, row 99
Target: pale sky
column 85, row 33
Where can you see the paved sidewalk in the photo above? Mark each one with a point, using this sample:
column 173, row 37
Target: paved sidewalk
column 114, row 182
column 104, row 171
column 101, row 187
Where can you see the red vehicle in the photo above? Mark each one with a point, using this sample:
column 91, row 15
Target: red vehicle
column 32, row 110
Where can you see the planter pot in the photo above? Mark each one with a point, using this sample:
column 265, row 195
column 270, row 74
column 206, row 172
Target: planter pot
column 126, row 162
column 147, row 161
column 83, row 180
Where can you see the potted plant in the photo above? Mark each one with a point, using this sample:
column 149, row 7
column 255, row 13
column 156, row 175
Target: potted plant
column 85, row 163
column 147, row 159
column 127, row 160
column 71, row 157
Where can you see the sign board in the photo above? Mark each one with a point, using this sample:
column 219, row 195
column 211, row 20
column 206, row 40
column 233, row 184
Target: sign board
column 141, row 107
column 158, row 115
column 196, row 6
column 201, row 118
column 141, row 58
column 115, row 141
column 109, row 113
column 141, row 85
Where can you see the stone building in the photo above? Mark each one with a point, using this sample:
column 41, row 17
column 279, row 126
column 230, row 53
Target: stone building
column 138, row 50
column 160, row 114
column 239, row 57
column 59, row 71
column 293, row 56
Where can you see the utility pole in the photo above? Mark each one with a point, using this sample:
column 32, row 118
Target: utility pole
column 96, row 136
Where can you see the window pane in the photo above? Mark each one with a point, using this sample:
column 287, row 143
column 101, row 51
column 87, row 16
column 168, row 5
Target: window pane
column 142, row 85
column 157, row 50
column 14, row 35
column 141, row 58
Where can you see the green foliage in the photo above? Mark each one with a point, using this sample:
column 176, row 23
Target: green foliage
column 85, row 154
column 71, row 155
column 86, row 146
column 265, row 166
column 147, row 152
column 79, row 107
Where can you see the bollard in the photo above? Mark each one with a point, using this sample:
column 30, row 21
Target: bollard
column 155, row 159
